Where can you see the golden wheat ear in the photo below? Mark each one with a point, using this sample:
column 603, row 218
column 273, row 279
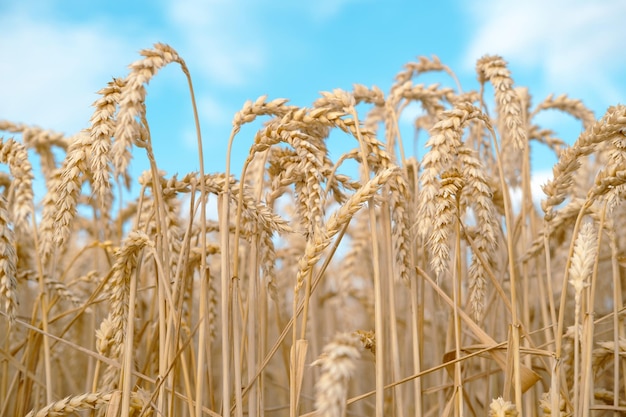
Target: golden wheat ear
column 338, row 364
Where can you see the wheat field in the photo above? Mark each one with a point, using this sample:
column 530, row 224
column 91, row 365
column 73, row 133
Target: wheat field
column 310, row 284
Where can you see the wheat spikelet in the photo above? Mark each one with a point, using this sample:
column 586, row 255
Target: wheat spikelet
column 571, row 106
column 5, row 183
column 446, row 202
column 66, row 196
column 174, row 230
column 309, row 192
column 61, row 289
column 268, row 262
column 609, row 182
column 8, row 262
column 282, row 169
column 509, row 108
column 118, row 289
column 89, row 401
column 501, row 408
column 41, row 141
column 132, row 97
column 47, row 226
column 607, row 397
column 269, row 136
column 423, row 65
column 546, row 137
column 306, row 164
column 99, row 147
column 583, row 259
column 105, row 337
column 69, row 405
column 611, row 124
column 431, row 98
column 368, row 339
column 562, row 219
column 35, row 137
column 477, row 194
column 545, row 406
column 21, row 197
column 320, row 242
column 511, row 115
column 444, row 141
column 251, row 110
column 254, row 212
column 337, row 364
column 363, row 94
column 337, row 109
column 604, row 357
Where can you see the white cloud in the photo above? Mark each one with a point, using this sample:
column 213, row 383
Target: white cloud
column 214, row 112
column 410, row 113
column 50, row 72
column 189, row 139
column 230, row 40
column 574, row 44
column 537, row 180
column 222, row 36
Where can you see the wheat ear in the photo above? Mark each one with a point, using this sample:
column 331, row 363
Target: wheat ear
column 509, row 107
column 21, row 202
column 573, row 107
column 583, row 259
column 501, row 408
column 41, row 141
column 479, row 196
column 67, row 192
column 89, row 401
column 119, row 290
column 338, row 364
column 8, row 262
column 610, row 125
column 128, row 130
column 316, row 246
column 423, row 65
column 101, row 133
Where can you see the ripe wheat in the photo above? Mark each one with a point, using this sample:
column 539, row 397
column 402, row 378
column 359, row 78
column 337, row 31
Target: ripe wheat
column 467, row 301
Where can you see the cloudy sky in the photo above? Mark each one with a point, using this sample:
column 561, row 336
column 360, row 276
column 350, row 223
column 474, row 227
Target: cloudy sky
column 58, row 53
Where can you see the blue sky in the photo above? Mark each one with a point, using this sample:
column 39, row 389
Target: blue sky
column 58, row 53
